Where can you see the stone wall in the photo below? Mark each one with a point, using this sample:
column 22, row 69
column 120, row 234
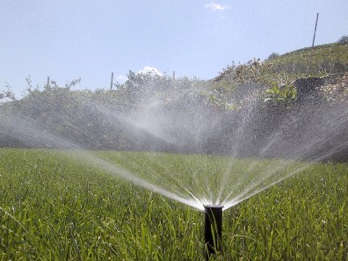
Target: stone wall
column 308, row 88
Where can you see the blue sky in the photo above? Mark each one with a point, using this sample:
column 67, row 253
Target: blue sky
column 70, row 39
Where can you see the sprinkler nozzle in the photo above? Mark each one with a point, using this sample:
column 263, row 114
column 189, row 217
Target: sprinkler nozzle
column 213, row 228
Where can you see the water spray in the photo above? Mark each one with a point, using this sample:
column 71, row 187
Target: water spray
column 213, row 229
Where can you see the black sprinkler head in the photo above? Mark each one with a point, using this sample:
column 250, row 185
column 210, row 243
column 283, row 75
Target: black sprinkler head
column 213, row 228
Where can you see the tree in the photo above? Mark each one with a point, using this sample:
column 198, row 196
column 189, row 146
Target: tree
column 343, row 39
column 8, row 94
column 272, row 56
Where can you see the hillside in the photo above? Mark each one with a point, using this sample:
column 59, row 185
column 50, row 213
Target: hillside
column 322, row 59
column 185, row 115
column 321, row 72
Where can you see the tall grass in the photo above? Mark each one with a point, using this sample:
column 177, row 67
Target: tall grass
column 323, row 59
column 52, row 208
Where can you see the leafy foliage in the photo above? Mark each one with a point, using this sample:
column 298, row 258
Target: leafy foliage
column 88, row 117
column 281, row 71
column 280, row 95
column 273, row 56
column 343, row 39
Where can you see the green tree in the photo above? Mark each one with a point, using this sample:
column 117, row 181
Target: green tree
column 343, row 39
column 272, row 56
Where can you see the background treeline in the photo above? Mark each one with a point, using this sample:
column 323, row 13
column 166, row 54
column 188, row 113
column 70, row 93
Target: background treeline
column 98, row 119
column 240, row 112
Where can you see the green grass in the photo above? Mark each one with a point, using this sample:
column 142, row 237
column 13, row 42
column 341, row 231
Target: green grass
column 53, row 208
column 323, row 59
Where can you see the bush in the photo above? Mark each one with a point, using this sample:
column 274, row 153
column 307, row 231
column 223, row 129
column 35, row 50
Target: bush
column 272, row 56
column 343, row 39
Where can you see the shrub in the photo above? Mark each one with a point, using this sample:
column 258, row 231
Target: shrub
column 273, row 56
column 343, row 39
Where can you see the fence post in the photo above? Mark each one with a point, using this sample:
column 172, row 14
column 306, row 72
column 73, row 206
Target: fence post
column 112, row 80
column 310, row 57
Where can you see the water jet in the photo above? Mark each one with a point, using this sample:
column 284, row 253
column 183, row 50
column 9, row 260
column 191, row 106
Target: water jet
column 213, row 229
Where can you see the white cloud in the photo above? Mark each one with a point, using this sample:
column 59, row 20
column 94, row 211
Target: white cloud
column 147, row 70
column 121, row 79
column 150, row 70
column 216, row 7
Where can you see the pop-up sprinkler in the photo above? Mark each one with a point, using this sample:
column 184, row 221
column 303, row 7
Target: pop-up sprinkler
column 213, row 228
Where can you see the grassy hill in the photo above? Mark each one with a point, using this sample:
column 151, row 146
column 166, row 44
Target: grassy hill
column 319, row 61
column 322, row 59
column 279, row 77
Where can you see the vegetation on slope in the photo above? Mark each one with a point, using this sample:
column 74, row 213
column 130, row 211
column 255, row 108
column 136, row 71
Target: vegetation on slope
column 85, row 116
column 321, row 60
column 273, row 80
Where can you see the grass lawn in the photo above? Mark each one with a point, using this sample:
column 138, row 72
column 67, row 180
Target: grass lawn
column 57, row 207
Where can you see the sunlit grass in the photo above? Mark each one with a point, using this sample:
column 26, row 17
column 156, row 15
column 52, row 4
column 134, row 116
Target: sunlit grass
column 320, row 61
column 53, row 208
